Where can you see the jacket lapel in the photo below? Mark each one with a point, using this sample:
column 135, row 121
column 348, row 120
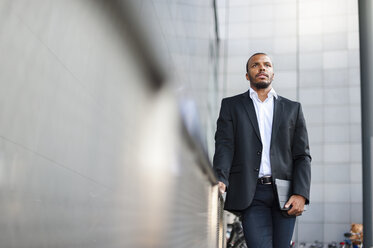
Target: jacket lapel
column 250, row 109
column 277, row 113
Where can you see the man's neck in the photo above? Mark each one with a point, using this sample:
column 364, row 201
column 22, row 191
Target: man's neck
column 262, row 93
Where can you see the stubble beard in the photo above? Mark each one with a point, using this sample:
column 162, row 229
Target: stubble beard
column 261, row 85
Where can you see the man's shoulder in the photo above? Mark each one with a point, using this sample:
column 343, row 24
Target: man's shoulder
column 235, row 98
column 288, row 101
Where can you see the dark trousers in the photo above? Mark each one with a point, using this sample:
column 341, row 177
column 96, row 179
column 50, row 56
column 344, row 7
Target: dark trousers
column 263, row 224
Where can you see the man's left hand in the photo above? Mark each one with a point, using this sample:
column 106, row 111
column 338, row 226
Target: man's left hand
column 297, row 205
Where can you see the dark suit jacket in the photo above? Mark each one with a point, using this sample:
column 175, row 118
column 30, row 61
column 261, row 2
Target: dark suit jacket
column 238, row 149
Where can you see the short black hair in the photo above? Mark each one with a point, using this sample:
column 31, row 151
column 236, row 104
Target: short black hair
column 247, row 64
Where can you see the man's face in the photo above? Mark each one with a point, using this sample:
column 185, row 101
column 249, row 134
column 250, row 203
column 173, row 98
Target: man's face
column 260, row 72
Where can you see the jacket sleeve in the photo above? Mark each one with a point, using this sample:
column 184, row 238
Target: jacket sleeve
column 301, row 158
column 224, row 144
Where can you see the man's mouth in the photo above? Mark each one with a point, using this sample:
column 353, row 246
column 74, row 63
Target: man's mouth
column 261, row 75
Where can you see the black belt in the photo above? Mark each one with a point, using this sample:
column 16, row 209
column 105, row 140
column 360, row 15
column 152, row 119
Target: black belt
column 265, row 180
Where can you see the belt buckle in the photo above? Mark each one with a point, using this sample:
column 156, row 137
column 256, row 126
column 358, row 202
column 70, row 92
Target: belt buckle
column 262, row 180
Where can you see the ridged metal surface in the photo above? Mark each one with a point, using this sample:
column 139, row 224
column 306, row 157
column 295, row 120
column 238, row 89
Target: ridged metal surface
column 91, row 155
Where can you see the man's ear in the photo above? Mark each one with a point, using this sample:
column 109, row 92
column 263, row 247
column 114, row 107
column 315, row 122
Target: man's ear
column 247, row 77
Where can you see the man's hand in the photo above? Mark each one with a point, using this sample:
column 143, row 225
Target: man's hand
column 222, row 187
column 297, row 202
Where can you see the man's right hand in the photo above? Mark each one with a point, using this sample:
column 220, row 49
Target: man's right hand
column 222, row 187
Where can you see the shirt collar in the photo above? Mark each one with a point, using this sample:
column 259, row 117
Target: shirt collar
column 271, row 93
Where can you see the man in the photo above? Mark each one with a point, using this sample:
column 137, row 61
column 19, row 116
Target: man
column 261, row 136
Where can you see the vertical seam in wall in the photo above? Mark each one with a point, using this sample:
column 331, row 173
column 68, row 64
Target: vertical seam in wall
column 297, row 80
column 349, row 160
column 226, row 48
column 297, row 48
column 323, row 143
column 216, row 69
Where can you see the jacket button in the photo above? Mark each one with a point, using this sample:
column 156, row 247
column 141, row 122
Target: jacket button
column 256, row 169
column 259, row 152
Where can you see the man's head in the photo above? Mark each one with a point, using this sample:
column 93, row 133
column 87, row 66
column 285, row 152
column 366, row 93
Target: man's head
column 259, row 70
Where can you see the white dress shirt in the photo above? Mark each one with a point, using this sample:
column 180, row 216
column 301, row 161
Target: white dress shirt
column 264, row 114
